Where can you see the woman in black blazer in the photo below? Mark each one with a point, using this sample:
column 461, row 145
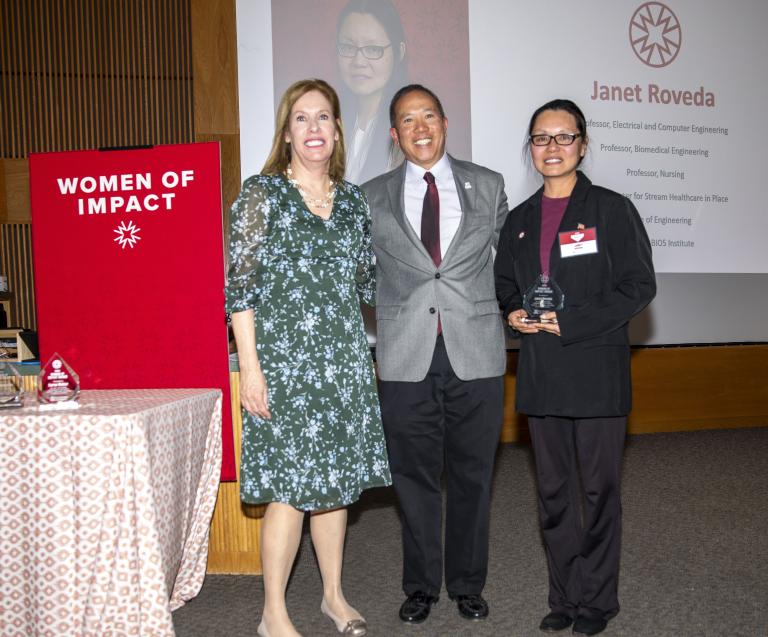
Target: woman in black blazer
column 578, row 258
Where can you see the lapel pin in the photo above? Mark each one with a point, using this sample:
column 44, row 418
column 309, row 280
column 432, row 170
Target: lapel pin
column 580, row 226
column 521, row 235
column 467, row 185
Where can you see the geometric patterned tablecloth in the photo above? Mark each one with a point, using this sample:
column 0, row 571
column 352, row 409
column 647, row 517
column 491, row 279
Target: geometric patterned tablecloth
column 105, row 511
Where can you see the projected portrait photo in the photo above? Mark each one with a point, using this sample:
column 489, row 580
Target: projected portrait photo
column 368, row 49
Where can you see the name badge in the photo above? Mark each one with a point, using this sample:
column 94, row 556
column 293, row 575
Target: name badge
column 577, row 242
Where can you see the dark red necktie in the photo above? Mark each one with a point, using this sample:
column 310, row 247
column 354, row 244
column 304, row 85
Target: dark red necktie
column 430, row 219
column 430, row 226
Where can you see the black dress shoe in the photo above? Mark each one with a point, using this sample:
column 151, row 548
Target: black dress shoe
column 416, row 607
column 555, row 622
column 588, row 626
column 471, row 606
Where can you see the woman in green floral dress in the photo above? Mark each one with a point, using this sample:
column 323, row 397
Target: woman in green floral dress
column 301, row 259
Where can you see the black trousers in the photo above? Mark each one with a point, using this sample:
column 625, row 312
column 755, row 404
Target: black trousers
column 443, row 424
column 578, row 467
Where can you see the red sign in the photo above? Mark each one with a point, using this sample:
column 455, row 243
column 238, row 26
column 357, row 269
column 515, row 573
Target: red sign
column 129, row 269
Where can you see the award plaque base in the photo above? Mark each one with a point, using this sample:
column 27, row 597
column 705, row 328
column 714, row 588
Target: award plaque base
column 59, row 406
column 11, row 387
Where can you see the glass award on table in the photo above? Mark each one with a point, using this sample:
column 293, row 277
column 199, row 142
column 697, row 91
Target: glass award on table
column 58, row 383
column 11, row 387
column 543, row 296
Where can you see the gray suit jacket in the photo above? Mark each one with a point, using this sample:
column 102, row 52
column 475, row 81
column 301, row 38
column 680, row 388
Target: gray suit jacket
column 411, row 291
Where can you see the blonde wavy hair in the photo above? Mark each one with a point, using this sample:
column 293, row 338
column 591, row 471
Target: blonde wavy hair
column 280, row 155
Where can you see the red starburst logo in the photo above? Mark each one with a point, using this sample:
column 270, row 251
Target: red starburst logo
column 655, row 34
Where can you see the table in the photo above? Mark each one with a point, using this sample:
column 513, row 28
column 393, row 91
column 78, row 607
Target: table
column 105, row 511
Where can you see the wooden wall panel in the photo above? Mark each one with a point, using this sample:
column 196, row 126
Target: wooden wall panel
column 680, row 389
column 14, row 191
column 214, row 55
column 81, row 74
column 236, row 528
column 515, row 428
column 687, row 388
column 214, row 63
column 16, row 264
column 230, row 167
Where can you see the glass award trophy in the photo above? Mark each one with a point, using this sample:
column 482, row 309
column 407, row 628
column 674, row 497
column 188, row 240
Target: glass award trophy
column 11, row 387
column 543, row 296
column 57, row 383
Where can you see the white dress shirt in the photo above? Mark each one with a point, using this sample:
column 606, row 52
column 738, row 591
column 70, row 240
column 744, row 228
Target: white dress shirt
column 450, row 208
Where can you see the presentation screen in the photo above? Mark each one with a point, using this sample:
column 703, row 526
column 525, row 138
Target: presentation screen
column 671, row 107
column 671, row 92
column 368, row 49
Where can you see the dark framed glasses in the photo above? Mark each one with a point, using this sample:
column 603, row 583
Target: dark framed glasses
column 369, row 51
column 561, row 139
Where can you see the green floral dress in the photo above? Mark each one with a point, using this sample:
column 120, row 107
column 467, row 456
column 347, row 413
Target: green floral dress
column 304, row 276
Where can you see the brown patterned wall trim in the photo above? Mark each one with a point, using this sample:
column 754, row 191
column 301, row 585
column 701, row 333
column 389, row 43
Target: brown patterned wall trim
column 16, row 264
column 80, row 74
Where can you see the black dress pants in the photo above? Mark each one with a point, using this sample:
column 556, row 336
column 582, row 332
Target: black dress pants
column 578, row 467
column 443, row 424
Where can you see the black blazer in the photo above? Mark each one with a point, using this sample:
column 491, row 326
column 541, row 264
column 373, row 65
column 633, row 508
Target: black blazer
column 585, row 372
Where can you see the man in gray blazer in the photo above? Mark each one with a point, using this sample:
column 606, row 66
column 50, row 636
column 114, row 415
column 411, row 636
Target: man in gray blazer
column 440, row 351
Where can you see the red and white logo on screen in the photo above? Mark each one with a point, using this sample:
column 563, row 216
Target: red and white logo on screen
column 655, row 34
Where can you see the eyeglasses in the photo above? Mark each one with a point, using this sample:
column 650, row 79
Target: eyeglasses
column 561, row 139
column 369, row 51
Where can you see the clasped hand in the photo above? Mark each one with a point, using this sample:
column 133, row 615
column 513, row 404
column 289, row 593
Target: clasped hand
column 516, row 322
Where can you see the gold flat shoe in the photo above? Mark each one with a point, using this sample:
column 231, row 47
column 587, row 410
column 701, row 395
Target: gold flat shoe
column 351, row 628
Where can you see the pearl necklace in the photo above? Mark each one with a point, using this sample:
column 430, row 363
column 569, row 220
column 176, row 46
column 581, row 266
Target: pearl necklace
column 312, row 202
